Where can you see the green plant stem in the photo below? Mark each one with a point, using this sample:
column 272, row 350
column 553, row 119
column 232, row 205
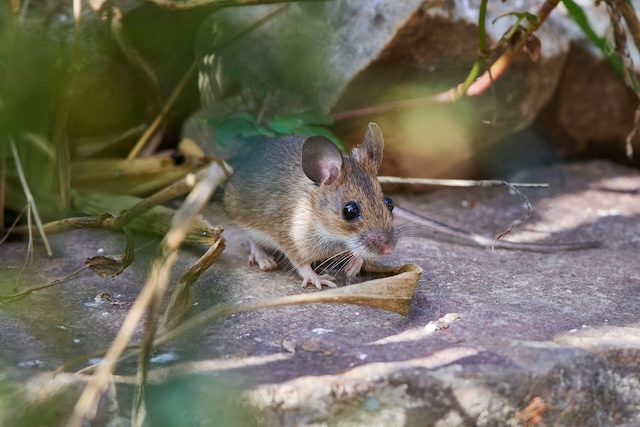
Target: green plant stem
column 482, row 34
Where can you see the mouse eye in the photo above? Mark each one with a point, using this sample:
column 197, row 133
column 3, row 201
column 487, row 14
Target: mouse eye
column 389, row 202
column 350, row 211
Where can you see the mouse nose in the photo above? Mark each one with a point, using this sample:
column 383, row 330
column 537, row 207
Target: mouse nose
column 381, row 242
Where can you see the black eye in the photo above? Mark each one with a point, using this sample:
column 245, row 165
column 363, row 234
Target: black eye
column 389, row 202
column 350, row 211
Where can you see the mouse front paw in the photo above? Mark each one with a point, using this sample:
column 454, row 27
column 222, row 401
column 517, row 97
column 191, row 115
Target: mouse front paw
column 311, row 277
column 259, row 257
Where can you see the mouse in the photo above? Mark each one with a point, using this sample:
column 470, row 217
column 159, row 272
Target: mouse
column 303, row 197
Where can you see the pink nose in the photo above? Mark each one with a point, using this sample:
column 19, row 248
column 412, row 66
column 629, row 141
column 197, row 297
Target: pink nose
column 383, row 243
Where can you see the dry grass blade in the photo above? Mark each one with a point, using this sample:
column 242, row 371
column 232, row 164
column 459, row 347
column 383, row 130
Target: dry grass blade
column 142, row 142
column 180, row 301
column 151, row 294
column 142, row 214
column 170, row 192
column 519, row 221
column 29, row 196
column 163, row 265
column 134, row 177
column 92, row 146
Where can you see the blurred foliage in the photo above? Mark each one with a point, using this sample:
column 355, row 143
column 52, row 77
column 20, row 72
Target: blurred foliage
column 69, row 100
column 42, row 406
column 196, row 401
column 245, row 125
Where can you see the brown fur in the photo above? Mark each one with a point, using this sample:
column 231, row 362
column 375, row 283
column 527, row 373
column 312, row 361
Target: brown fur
column 272, row 197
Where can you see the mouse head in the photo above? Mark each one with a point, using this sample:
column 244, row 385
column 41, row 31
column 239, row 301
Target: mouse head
column 352, row 211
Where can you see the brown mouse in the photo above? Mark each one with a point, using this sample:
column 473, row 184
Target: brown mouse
column 303, row 197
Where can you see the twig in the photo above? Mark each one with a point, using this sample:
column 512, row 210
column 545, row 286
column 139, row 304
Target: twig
column 12, row 226
column 56, row 282
column 457, row 182
column 30, row 200
column 471, row 183
column 522, row 219
column 486, row 242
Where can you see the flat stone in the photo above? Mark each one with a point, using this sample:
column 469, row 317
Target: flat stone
column 489, row 332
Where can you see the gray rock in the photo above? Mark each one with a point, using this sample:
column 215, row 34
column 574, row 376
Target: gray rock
column 561, row 327
column 341, row 56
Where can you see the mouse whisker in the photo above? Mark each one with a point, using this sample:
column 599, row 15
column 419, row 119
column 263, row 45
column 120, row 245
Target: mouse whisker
column 329, row 262
column 338, row 263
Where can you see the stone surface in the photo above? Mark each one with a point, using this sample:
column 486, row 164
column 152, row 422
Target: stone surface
column 563, row 327
column 342, row 56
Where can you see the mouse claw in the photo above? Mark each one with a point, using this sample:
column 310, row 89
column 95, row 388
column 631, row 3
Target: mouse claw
column 262, row 259
column 311, row 277
column 324, row 279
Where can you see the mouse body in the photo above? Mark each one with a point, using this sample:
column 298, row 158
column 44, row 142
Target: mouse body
column 303, row 197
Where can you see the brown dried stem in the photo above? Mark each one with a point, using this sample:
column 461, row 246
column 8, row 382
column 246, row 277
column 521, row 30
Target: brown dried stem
column 149, row 299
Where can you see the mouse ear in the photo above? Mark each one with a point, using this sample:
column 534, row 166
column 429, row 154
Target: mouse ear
column 369, row 153
column 321, row 160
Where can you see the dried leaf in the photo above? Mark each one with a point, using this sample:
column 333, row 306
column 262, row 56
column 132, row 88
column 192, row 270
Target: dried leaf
column 109, row 267
column 135, row 176
column 393, row 293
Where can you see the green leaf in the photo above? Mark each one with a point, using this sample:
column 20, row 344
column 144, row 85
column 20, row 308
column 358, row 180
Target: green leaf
column 243, row 125
column 578, row 15
column 290, row 123
column 316, row 130
column 306, row 124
